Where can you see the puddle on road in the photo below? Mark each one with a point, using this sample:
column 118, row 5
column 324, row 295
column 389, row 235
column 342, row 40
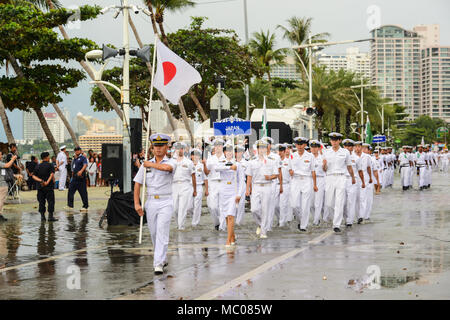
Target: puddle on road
column 394, row 281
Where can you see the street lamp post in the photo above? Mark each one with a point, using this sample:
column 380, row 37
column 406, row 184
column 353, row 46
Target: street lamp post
column 310, row 46
column 247, row 98
column 246, row 89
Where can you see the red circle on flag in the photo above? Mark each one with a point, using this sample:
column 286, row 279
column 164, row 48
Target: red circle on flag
column 169, row 71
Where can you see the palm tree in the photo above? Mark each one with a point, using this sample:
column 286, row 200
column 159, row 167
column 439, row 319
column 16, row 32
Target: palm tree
column 297, row 33
column 263, row 47
column 5, row 122
column 331, row 97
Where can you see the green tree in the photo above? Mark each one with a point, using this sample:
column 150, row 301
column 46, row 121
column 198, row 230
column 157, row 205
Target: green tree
column 263, row 48
column 32, row 47
column 297, row 32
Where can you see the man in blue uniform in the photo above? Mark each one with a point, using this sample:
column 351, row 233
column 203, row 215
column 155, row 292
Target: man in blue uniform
column 78, row 181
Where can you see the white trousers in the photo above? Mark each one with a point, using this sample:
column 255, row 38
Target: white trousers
column 335, row 197
column 260, row 205
column 351, row 192
column 301, row 198
column 213, row 200
column 62, row 178
column 272, row 204
column 422, row 176
column 319, row 199
column 159, row 214
column 412, row 170
column 282, row 204
column 182, row 201
column 369, row 194
column 362, row 199
column 429, row 173
column 241, row 208
column 197, row 207
column 405, row 176
column 445, row 166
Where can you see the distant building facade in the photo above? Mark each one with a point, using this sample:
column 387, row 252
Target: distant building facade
column 353, row 60
column 32, row 129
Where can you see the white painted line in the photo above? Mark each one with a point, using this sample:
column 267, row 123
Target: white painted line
column 262, row 268
column 48, row 259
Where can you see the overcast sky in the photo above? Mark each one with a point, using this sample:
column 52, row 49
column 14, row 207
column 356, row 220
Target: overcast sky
column 344, row 19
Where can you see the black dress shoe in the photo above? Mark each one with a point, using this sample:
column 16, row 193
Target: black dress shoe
column 51, row 218
column 298, row 227
column 43, row 217
column 303, row 230
column 166, row 264
column 337, row 230
column 2, row 218
column 360, row 220
column 217, row 227
column 348, row 225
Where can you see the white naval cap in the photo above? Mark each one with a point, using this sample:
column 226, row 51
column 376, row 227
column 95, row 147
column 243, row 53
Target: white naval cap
column 62, row 147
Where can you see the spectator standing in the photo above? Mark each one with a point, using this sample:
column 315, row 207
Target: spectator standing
column 78, row 181
column 92, row 171
column 30, row 166
column 99, row 170
column 3, row 183
column 61, row 164
column 44, row 175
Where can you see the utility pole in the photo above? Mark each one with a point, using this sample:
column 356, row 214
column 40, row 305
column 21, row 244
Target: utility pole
column 246, row 89
column 126, row 102
column 310, row 49
column 219, row 116
column 362, row 110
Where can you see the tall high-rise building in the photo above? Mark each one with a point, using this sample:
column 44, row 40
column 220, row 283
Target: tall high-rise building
column 32, row 129
column 353, row 60
column 395, row 66
column 435, row 82
column 286, row 71
column 429, row 35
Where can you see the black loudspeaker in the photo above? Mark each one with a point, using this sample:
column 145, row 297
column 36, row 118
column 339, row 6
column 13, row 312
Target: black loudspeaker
column 112, row 161
column 214, row 114
column 136, row 135
column 279, row 131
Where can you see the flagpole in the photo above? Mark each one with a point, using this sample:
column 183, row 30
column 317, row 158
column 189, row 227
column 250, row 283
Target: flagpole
column 265, row 117
column 147, row 138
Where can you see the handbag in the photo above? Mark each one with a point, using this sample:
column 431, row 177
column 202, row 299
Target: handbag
column 9, row 176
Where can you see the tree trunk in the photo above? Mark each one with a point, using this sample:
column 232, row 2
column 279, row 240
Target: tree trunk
column 163, row 33
column 185, row 120
column 149, row 67
column 83, row 64
column 66, row 124
column 199, row 106
column 152, row 18
column 5, row 121
column 337, row 120
column 348, row 120
column 47, row 131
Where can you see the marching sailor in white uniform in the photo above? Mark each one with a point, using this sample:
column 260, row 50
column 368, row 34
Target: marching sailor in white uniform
column 303, row 183
column 184, row 185
column 159, row 204
column 336, row 162
column 405, row 163
column 239, row 151
column 260, row 173
column 319, row 196
column 200, row 179
column 282, row 202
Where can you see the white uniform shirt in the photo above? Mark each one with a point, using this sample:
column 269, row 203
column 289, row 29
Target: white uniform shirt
column 356, row 164
column 211, row 163
column 302, row 165
column 365, row 163
column 157, row 182
column 285, row 167
column 62, row 158
column 337, row 161
column 403, row 158
column 183, row 172
column 318, row 166
column 200, row 175
column 420, row 158
column 229, row 176
column 259, row 168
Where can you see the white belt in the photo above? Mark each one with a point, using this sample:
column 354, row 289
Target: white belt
column 181, row 182
column 335, row 174
column 300, row 176
column 262, row 184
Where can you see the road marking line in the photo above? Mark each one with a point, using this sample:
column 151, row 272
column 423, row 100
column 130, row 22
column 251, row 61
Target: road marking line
column 262, row 268
column 48, row 259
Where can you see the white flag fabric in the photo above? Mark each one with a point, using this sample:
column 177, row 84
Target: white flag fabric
column 174, row 76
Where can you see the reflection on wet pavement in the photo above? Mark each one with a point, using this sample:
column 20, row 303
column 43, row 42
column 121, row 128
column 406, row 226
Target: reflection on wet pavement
column 407, row 239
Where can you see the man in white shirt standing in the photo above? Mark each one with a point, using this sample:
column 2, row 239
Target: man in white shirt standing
column 336, row 162
column 260, row 173
column 405, row 164
column 200, row 179
column 422, row 163
column 282, row 204
column 239, row 150
column 214, row 180
column 61, row 163
column 370, row 186
column 445, row 160
column 366, row 167
column 184, row 185
column 303, row 183
column 319, row 196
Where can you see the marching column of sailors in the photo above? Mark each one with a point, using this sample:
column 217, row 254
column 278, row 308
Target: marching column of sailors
column 335, row 185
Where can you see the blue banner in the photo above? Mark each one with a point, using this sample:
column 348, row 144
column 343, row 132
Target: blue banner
column 228, row 127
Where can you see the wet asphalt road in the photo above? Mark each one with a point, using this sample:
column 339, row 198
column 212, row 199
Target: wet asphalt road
column 406, row 246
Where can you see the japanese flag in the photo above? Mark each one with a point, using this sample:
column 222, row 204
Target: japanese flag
column 174, row 76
